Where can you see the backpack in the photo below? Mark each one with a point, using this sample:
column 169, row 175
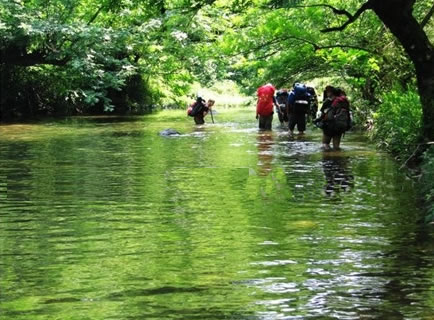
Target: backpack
column 196, row 108
column 301, row 103
column 264, row 106
column 282, row 96
column 338, row 116
column 300, row 91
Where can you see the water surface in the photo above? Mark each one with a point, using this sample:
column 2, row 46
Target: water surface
column 102, row 218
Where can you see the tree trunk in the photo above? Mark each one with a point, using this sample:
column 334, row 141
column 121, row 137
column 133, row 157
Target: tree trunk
column 397, row 15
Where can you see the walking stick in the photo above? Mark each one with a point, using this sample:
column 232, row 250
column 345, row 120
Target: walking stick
column 212, row 117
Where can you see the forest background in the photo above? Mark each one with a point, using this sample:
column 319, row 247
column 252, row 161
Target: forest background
column 73, row 57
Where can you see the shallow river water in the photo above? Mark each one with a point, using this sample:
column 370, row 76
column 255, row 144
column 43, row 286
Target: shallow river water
column 102, row 218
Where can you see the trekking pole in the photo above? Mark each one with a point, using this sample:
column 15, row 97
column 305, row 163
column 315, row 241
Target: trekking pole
column 212, row 117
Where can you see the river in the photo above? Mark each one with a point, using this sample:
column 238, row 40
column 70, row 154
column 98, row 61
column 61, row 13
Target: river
column 102, row 218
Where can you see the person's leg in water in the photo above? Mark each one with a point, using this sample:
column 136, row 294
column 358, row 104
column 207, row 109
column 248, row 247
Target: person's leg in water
column 337, row 141
column 269, row 122
column 261, row 122
column 301, row 124
column 280, row 116
column 326, row 141
column 199, row 119
column 285, row 119
column 292, row 121
column 265, row 122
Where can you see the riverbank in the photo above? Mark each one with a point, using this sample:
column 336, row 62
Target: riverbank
column 397, row 127
column 427, row 183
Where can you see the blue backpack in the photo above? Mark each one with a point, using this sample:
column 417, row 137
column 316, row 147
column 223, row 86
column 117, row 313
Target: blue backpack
column 300, row 91
column 301, row 104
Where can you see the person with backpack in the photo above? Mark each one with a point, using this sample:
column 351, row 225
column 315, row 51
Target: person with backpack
column 326, row 100
column 264, row 106
column 199, row 110
column 282, row 103
column 326, row 103
column 298, row 107
column 336, row 118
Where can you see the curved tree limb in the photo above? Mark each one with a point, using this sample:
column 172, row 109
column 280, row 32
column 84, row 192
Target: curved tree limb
column 95, row 15
column 335, row 10
column 351, row 17
column 427, row 17
column 366, row 6
column 316, row 47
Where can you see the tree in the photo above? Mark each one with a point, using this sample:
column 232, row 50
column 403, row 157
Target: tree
column 397, row 15
column 68, row 56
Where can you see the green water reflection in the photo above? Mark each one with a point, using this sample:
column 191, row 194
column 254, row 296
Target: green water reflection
column 102, row 218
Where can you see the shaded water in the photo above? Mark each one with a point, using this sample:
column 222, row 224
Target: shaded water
column 104, row 219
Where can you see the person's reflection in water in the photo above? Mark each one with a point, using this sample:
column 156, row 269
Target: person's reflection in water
column 265, row 153
column 337, row 173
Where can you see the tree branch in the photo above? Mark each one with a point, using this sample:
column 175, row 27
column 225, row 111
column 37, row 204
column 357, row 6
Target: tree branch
column 96, row 14
column 315, row 46
column 343, row 46
column 335, row 10
column 366, row 6
column 427, row 17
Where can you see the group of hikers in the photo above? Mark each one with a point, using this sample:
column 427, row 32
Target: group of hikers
column 294, row 108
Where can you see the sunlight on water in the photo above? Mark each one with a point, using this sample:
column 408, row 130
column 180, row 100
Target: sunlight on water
column 102, row 218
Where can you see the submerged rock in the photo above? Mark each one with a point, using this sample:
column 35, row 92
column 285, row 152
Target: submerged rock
column 169, row 132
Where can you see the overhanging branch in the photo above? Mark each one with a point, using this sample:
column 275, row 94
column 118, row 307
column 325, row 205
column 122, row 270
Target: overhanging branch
column 351, row 18
column 316, row 47
column 335, row 10
column 427, row 17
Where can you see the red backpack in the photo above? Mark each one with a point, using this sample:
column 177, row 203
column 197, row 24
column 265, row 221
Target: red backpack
column 264, row 106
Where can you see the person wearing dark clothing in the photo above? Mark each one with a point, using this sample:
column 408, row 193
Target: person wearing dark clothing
column 282, row 106
column 198, row 110
column 326, row 99
column 335, row 117
column 298, row 107
column 313, row 103
column 199, row 119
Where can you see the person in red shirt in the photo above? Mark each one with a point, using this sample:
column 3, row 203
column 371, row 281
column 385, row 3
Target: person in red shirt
column 264, row 106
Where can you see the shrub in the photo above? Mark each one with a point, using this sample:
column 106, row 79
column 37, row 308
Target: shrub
column 398, row 121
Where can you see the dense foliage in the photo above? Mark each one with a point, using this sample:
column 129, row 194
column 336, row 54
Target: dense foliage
column 73, row 56
column 398, row 121
column 427, row 183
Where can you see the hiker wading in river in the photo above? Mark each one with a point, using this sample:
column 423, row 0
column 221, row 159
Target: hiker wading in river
column 199, row 109
column 298, row 107
column 335, row 117
column 264, row 106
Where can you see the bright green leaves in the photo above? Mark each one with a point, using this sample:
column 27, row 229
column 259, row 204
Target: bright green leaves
column 399, row 120
column 105, row 43
column 373, row 64
column 182, row 41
